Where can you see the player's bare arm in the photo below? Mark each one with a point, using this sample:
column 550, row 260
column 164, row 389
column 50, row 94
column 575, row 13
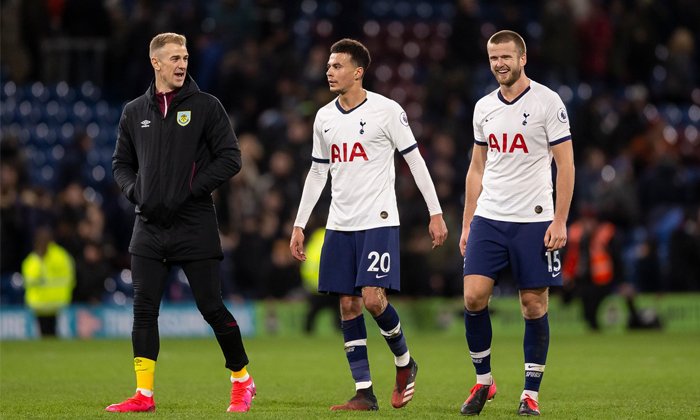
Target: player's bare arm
column 473, row 188
column 555, row 237
column 296, row 244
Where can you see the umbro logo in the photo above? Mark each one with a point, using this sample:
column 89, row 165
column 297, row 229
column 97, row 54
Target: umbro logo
column 145, row 123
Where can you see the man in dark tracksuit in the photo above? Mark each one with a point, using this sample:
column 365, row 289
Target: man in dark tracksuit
column 176, row 146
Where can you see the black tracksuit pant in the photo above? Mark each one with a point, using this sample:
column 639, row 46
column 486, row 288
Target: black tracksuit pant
column 149, row 277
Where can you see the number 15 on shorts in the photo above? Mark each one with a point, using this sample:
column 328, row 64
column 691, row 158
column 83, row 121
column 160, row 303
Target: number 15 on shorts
column 553, row 262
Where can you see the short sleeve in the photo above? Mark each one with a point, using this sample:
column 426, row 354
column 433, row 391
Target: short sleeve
column 398, row 129
column 320, row 151
column 479, row 137
column 557, row 123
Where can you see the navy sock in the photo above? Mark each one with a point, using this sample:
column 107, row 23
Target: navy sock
column 355, row 336
column 535, row 346
column 478, row 330
column 390, row 326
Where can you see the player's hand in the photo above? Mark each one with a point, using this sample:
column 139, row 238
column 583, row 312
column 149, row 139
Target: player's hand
column 555, row 237
column 296, row 244
column 438, row 230
column 463, row 240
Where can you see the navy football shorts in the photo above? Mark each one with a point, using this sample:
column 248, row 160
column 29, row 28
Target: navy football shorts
column 492, row 245
column 352, row 260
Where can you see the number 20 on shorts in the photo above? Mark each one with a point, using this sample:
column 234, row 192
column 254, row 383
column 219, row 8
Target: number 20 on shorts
column 379, row 262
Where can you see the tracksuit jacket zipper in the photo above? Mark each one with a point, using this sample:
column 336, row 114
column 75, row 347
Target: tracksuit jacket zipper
column 162, row 162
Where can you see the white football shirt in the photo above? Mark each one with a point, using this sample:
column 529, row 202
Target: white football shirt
column 359, row 146
column 517, row 182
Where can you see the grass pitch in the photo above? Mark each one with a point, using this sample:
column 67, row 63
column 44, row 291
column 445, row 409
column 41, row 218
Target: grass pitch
column 621, row 376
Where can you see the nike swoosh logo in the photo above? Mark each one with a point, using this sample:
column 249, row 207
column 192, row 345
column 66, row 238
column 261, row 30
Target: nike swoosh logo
column 325, row 130
column 554, row 275
column 380, row 277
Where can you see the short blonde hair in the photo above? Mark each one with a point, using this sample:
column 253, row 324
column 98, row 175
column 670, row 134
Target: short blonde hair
column 507, row 36
column 160, row 40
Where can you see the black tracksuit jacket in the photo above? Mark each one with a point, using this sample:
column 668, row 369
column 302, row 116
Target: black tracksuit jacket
column 169, row 166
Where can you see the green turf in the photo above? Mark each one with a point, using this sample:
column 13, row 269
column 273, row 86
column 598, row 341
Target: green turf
column 636, row 375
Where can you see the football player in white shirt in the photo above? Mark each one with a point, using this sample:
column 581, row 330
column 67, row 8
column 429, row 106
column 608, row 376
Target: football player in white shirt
column 509, row 213
column 354, row 138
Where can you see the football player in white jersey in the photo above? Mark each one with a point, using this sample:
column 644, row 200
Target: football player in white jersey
column 354, row 138
column 509, row 213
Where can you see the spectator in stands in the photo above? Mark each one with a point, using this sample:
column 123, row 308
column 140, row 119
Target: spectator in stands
column 37, row 24
column 559, row 40
column 685, row 253
column 92, row 269
column 595, row 38
column 15, row 240
column 680, row 68
column 49, row 278
column 72, row 167
column 70, row 209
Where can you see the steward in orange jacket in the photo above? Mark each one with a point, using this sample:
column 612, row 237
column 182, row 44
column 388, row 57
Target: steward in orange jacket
column 591, row 263
column 600, row 265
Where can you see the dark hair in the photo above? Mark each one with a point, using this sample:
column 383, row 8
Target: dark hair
column 507, row 36
column 359, row 54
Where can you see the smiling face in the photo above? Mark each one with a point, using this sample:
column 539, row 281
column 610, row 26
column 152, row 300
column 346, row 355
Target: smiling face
column 342, row 73
column 170, row 66
column 506, row 62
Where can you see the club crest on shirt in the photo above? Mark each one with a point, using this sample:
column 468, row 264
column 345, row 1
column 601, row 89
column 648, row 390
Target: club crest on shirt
column 404, row 119
column 561, row 115
column 184, row 117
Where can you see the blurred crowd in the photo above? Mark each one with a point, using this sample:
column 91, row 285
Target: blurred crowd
column 626, row 69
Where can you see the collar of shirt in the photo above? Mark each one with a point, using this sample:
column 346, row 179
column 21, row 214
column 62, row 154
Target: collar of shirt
column 164, row 100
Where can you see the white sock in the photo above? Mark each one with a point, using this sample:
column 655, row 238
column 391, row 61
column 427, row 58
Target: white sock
column 531, row 394
column 145, row 392
column 402, row 360
column 362, row 385
column 243, row 379
column 485, row 379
